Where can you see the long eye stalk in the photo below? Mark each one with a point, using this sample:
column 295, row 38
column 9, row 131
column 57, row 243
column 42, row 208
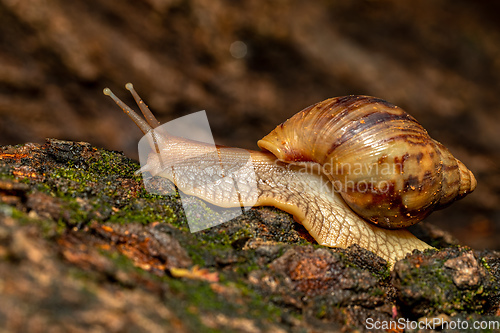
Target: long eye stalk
column 150, row 118
column 143, row 126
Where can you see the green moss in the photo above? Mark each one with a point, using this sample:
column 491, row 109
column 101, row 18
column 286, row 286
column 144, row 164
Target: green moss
column 43, row 187
column 112, row 163
column 202, row 295
column 384, row 274
column 99, row 181
column 144, row 214
column 6, row 174
column 485, row 264
column 98, row 176
column 190, row 297
column 47, row 227
column 143, row 193
column 320, row 313
column 260, row 307
column 247, row 267
column 222, row 238
column 378, row 292
column 435, row 286
column 193, row 251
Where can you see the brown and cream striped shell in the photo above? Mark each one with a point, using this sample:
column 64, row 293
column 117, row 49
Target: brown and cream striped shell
column 381, row 160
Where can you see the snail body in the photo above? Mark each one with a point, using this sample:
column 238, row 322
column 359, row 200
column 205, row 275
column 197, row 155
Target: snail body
column 306, row 168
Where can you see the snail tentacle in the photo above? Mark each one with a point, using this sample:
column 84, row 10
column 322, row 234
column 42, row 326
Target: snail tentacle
column 143, row 126
column 148, row 115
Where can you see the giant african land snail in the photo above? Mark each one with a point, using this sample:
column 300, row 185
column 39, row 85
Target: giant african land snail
column 383, row 172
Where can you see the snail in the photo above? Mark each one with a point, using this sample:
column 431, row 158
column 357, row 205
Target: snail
column 351, row 170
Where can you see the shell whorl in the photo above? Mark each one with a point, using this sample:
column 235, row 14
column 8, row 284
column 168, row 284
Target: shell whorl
column 380, row 159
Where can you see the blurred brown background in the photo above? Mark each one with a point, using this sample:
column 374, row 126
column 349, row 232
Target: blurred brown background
column 438, row 59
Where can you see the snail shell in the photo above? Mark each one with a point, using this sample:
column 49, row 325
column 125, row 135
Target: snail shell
column 377, row 162
column 381, row 160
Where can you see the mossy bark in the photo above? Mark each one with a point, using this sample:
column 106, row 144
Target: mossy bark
column 83, row 247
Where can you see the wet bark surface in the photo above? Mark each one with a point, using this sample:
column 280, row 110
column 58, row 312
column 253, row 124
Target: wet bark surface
column 83, row 247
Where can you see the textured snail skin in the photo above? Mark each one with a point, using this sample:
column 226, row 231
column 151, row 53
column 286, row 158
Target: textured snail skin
column 300, row 187
column 306, row 194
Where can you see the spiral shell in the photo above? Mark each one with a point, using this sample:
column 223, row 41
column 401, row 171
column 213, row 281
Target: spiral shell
column 381, row 160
